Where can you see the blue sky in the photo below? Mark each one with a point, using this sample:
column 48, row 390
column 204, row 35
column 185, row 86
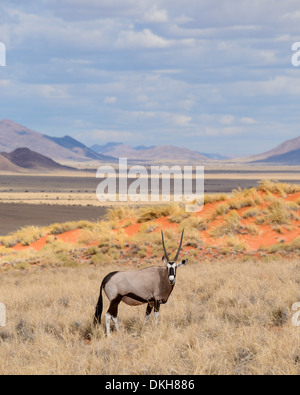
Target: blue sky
column 211, row 75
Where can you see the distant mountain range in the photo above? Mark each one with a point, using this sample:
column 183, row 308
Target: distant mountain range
column 23, row 159
column 67, row 149
column 110, row 147
column 153, row 153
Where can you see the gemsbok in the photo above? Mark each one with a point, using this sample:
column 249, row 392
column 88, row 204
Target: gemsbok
column 152, row 285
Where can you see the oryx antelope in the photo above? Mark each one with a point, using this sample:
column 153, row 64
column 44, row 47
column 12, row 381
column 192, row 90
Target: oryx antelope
column 152, row 285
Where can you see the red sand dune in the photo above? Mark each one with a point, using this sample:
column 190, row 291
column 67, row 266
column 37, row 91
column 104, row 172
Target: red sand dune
column 132, row 230
column 267, row 236
column 68, row 237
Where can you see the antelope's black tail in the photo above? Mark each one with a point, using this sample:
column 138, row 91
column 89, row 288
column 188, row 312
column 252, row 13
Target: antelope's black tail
column 99, row 308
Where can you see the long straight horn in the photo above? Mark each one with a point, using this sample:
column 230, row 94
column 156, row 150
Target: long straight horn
column 163, row 242
column 179, row 249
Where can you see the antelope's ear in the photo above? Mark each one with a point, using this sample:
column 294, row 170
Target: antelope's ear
column 183, row 262
column 164, row 259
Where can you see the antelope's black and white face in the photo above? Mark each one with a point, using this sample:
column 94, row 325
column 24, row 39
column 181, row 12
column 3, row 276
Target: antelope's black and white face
column 172, row 269
column 172, row 265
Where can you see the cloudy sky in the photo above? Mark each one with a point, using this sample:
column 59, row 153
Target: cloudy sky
column 211, row 75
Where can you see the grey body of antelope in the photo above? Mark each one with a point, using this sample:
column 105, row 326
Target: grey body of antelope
column 152, row 286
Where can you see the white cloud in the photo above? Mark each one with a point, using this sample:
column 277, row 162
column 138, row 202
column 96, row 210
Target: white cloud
column 181, row 120
column 23, row 31
column 181, row 20
column 108, row 135
column 5, row 84
column 161, row 68
column 227, row 119
column 279, row 87
column 168, row 71
column 292, row 15
column 155, row 15
column 110, row 100
column 53, row 92
column 145, row 39
column 225, row 132
column 248, row 121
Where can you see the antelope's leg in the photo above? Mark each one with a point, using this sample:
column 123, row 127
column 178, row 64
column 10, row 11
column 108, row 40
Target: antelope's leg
column 156, row 310
column 113, row 313
column 107, row 321
column 149, row 310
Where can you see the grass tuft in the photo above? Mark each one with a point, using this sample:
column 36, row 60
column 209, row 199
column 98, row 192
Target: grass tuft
column 275, row 187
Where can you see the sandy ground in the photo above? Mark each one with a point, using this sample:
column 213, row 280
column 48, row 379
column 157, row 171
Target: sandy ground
column 66, row 190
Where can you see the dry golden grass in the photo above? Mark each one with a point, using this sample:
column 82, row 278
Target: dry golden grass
column 231, row 226
column 232, row 317
column 153, row 212
column 278, row 187
column 26, row 236
column 224, row 317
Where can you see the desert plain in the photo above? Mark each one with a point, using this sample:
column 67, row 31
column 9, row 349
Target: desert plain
column 231, row 311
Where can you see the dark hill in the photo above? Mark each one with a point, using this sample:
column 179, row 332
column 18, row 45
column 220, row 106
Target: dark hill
column 279, row 154
column 79, row 148
column 27, row 159
column 291, row 158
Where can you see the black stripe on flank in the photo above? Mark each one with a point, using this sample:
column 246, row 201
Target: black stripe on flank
column 136, row 297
